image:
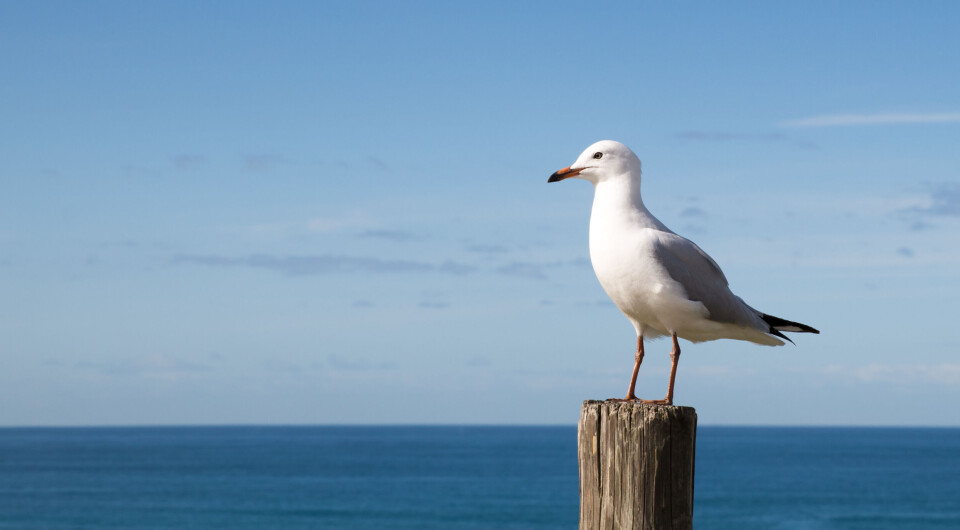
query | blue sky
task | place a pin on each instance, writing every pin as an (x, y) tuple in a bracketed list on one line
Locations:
[(305, 212)]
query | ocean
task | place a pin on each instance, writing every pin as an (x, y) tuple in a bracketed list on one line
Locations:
[(446, 477)]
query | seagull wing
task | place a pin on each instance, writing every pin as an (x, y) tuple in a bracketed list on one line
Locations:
[(703, 281)]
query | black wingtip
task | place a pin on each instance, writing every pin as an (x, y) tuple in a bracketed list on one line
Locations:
[(778, 324), (776, 333)]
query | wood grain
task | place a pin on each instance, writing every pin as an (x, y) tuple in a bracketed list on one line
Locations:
[(636, 466)]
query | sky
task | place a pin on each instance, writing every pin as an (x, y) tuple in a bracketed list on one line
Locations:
[(337, 212)]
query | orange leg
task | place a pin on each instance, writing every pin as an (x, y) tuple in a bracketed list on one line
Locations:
[(674, 357), (637, 359)]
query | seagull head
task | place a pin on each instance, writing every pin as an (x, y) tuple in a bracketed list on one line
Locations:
[(601, 161)]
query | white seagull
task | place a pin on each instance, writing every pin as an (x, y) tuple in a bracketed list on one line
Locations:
[(664, 283)]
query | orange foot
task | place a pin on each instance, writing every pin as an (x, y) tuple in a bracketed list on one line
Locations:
[(656, 401)]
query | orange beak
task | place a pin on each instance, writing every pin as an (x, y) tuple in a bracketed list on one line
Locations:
[(564, 173)]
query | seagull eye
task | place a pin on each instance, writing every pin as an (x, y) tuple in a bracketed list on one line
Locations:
[(598, 154)]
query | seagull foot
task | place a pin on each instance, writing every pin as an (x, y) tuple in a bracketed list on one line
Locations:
[(635, 399), (656, 401)]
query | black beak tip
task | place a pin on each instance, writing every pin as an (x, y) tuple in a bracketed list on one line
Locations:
[(564, 173)]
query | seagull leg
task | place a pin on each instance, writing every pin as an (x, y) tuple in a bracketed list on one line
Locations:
[(637, 359), (674, 357)]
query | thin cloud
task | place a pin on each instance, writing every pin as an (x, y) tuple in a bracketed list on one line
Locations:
[(455, 268), (135, 171), (943, 201), (323, 264), (478, 361), (943, 373), (716, 136), (391, 235), (538, 271), (262, 163), (159, 366), (185, 162), (844, 120), (354, 222), (325, 225), (378, 163), (693, 212), (596, 303), (524, 270), (118, 243), (358, 364), (487, 249), (51, 174), (282, 366)]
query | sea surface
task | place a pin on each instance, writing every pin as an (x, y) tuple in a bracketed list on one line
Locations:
[(458, 478)]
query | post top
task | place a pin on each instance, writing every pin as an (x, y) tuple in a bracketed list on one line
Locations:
[(635, 405)]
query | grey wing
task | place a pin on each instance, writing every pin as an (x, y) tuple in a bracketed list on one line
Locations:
[(703, 281)]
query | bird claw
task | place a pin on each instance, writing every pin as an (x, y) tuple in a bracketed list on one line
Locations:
[(634, 399), (656, 401)]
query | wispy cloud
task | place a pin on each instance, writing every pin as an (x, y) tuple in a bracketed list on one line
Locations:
[(842, 120), (943, 201), (118, 243), (263, 162), (524, 270), (722, 372), (391, 235), (334, 224), (183, 162), (719, 136), (358, 221), (364, 165), (324, 264), (433, 304), (487, 249), (693, 212), (136, 171), (159, 366), (455, 267), (943, 373), (478, 361), (603, 302), (377, 163), (537, 271), (359, 364)]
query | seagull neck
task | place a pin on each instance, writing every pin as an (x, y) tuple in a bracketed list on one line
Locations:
[(620, 199)]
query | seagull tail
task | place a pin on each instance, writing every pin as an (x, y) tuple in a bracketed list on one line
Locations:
[(778, 324)]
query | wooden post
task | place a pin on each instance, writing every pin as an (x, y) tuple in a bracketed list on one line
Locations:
[(636, 466)]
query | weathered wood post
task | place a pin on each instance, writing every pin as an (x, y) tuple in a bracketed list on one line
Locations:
[(636, 466)]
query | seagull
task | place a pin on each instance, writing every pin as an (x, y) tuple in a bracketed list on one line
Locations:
[(664, 283)]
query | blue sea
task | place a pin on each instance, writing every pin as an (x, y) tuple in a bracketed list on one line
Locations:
[(458, 478)]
